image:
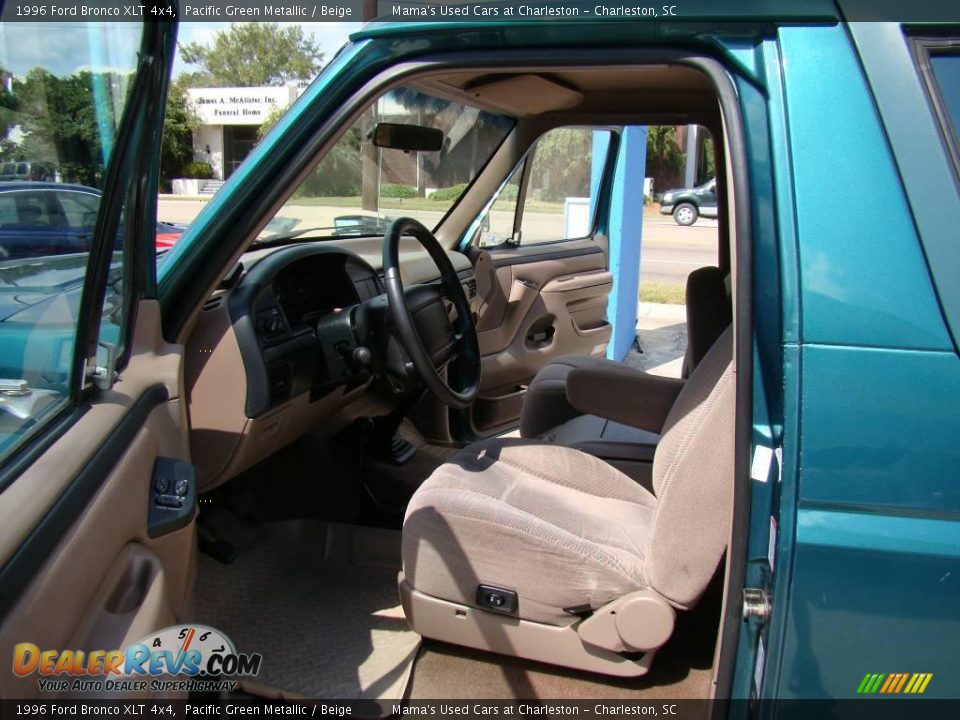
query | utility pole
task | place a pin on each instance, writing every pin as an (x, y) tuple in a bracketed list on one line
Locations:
[(693, 151), (369, 170)]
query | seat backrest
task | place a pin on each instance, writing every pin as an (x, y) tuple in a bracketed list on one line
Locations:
[(709, 313), (693, 480)]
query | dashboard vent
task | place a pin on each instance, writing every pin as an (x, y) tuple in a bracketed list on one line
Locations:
[(278, 377), (213, 303), (471, 288)]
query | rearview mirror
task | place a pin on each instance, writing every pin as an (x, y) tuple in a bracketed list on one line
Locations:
[(409, 138)]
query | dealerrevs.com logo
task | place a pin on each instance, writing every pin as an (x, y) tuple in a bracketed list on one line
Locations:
[(180, 658)]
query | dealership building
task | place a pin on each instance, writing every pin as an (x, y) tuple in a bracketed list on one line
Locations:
[(229, 119)]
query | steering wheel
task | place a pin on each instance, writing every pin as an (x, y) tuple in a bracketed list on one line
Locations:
[(421, 319)]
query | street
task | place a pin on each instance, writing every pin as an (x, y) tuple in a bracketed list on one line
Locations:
[(668, 254)]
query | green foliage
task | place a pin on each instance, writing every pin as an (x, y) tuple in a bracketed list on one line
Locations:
[(338, 174), (397, 190), (252, 54), (269, 120), (179, 122), (7, 105), (59, 122), (663, 151), (198, 170), (450, 194), (562, 164), (709, 159)]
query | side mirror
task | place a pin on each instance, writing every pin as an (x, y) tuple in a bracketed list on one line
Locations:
[(409, 138)]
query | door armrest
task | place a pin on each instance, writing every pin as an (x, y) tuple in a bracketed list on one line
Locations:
[(624, 395)]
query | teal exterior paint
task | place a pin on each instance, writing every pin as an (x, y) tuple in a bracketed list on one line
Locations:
[(871, 594), (863, 278), (856, 375), (874, 574), (918, 147), (625, 233), (863, 413)]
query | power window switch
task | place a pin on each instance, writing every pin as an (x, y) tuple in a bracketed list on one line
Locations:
[(170, 501)]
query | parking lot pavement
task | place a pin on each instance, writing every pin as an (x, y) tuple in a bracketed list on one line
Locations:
[(661, 339), (669, 251)]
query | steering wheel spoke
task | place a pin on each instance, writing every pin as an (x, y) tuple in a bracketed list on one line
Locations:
[(422, 318)]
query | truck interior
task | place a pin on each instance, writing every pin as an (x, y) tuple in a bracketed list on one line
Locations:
[(559, 522), (418, 476)]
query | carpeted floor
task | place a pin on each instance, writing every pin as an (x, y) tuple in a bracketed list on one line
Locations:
[(320, 602)]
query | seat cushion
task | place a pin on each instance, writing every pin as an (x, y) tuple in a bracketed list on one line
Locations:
[(560, 528)]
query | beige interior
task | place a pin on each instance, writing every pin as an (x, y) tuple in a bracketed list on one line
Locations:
[(107, 583), (596, 564)]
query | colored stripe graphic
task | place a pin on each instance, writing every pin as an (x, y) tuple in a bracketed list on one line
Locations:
[(894, 683)]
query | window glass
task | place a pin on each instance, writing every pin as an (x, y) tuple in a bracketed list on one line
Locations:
[(496, 228), (946, 72), (60, 105), (8, 210), (558, 202), (358, 188), (79, 209)]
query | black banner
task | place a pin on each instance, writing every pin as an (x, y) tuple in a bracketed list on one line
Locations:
[(479, 10), (877, 708)]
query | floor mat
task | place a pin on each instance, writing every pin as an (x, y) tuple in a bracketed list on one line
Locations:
[(319, 602)]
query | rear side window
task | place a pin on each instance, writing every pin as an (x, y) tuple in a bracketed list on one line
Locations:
[(946, 73), (939, 63)]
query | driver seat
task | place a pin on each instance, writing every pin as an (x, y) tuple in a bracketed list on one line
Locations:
[(544, 552)]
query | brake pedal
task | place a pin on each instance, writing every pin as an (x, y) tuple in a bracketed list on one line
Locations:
[(223, 551)]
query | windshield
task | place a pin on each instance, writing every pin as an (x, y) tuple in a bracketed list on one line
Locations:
[(358, 188)]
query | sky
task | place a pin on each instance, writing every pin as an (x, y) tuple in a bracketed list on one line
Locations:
[(65, 48)]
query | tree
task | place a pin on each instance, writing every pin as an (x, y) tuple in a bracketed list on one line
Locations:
[(179, 122), (60, 123), (8, 104), (664, 157), (562, 164), (253, 54)]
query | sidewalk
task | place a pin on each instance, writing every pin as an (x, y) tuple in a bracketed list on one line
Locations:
[(662, 337)]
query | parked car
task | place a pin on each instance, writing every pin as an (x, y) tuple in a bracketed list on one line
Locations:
[(688, 204), (27, 170), (41, 218), (778, 523)]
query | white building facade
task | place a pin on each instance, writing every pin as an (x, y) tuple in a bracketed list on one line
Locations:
[(229, 119)]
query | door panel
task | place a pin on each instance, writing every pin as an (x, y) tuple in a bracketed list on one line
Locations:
[(104, 582), (538, 303)]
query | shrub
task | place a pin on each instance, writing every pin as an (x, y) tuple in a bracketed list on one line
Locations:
[(397, 190), (338, 174), (510, 192), (452, 193), (198, 170)]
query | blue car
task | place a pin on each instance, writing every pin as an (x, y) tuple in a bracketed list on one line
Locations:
[(41, 218), (363, 464)]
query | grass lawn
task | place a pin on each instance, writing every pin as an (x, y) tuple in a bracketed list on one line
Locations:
[(662, 293), (536, 206), (412, 204)]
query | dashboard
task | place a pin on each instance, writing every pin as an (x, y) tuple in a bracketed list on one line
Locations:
[(273, 353), (279, 308)]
